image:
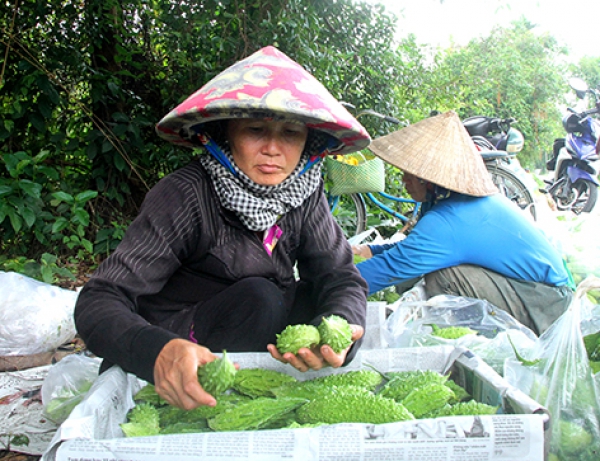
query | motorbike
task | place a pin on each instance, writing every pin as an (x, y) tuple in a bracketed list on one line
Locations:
[(499, 143), (493, 133), (574, 185)]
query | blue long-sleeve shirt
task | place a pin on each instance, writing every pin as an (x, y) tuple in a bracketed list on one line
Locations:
[(490, 232)]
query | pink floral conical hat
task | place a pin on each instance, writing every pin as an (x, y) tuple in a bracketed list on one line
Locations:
[(267, 84)]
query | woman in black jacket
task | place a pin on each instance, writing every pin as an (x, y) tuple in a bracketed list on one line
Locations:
[(229, 250)]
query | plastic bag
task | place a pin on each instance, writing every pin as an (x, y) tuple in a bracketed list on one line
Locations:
[(557, 374), (490, 343), (66, 384), (575, 238), (35, 317)]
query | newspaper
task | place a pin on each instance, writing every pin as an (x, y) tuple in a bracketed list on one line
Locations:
[(456, 439), (21, 410), (92, 431), (377, 313)]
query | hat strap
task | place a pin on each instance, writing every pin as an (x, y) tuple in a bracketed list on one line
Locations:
[(331, 145), (212, 147)]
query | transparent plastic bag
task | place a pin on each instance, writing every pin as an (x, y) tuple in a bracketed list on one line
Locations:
[(66, 384), (35, 317), (410, 325), (557, 374)]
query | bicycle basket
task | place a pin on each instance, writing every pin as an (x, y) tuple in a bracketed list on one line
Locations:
[(365, 173)]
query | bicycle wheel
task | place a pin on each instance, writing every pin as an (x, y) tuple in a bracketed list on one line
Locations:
[(350, 212), (512, 187)]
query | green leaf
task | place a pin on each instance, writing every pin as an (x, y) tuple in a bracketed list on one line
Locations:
[(120, 117), (3, 212), (63, 197), (20, 439), (5, 189), (72, 144), (48, 258), (9, 125), (120, 129), (120, 162), (41, 156), (520, 358), (48, 88), (106, 146), (82, 217), (31, 188), (86, 195), (114, 88), (49, 172), (24, 163), (89, 247), (15, 220), (57, 137), (37, 122), (45, 108), (59, 225), (29, 216), (91, 150), (47, 274)]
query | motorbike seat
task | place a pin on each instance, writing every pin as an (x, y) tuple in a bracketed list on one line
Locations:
[(478, 125)]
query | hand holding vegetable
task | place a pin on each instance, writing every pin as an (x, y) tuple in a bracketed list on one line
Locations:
[(175, 374), (317, 352)]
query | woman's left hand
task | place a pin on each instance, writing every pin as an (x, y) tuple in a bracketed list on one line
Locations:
[(318, 357)]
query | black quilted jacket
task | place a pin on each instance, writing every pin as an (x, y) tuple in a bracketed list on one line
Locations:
[(184, 248)]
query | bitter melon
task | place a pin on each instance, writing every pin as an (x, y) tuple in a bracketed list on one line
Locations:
[(217, 376), (335, 331), (295, 337)]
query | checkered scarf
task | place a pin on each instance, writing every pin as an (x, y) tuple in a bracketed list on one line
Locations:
[(259, 207)]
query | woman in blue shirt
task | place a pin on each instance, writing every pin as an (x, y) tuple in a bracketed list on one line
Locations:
[(471, 240)]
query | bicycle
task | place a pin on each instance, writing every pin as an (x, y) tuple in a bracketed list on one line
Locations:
[(350, 210)]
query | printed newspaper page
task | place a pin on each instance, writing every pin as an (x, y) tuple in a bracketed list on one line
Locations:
[(464, 438), (21, 410)]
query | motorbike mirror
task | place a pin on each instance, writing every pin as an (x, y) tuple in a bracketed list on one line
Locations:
[(579, 86)]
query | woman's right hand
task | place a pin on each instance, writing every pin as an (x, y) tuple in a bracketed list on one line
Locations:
[(175, 374), (317, 357), (362, 250)]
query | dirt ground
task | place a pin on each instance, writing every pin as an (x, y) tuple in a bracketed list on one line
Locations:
[(14, 456)]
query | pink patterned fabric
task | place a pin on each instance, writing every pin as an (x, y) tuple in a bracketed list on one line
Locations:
[(271, 238), (265, 84)]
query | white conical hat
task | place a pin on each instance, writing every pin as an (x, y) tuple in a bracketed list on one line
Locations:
[(439, 150)]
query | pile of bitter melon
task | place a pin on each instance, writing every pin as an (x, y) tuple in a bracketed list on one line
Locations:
[(256, 398)]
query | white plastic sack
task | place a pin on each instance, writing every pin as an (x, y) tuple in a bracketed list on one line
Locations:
[(35, 317)]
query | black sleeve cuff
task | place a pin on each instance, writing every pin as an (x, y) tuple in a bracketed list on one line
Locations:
[(145, 349)]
